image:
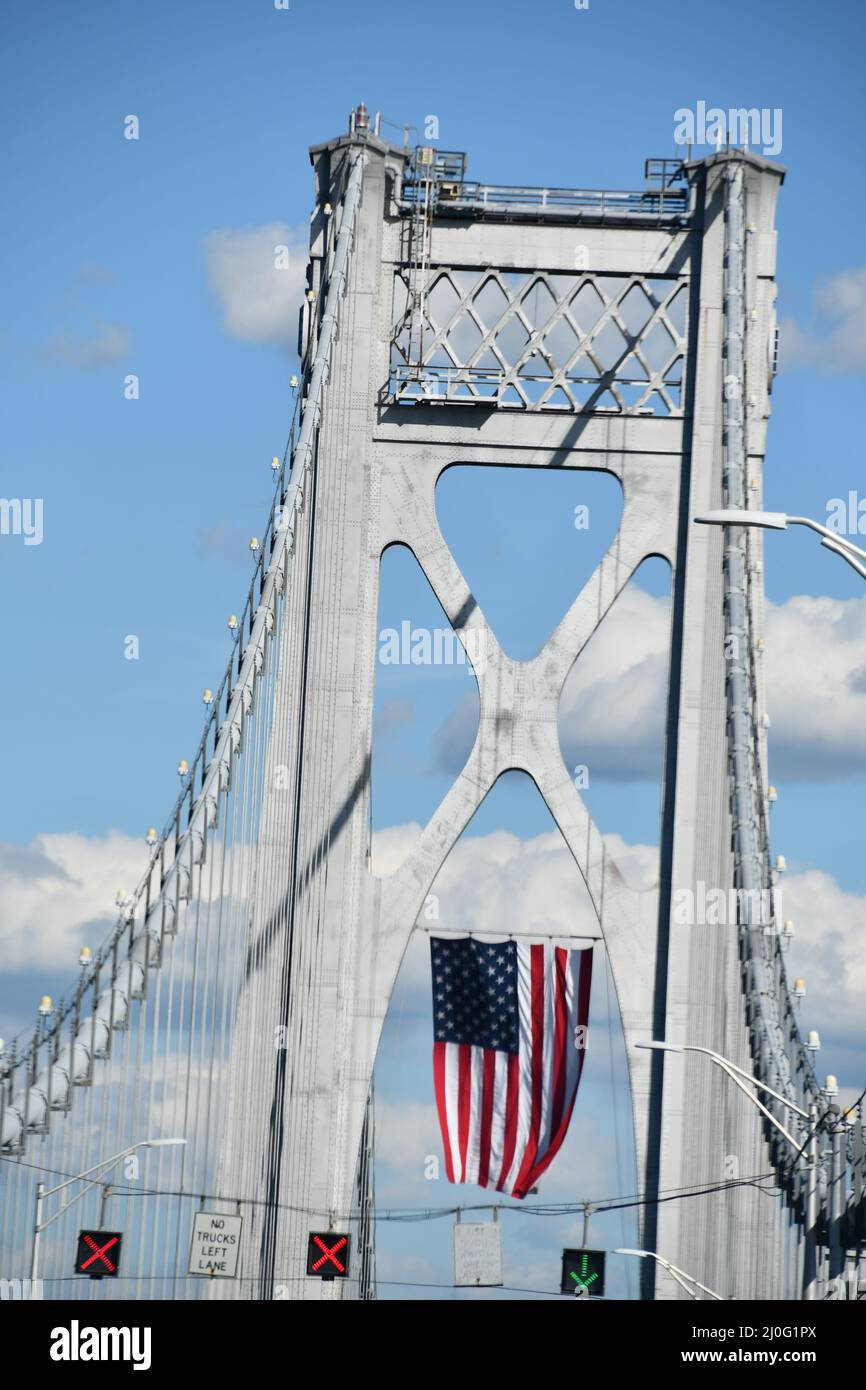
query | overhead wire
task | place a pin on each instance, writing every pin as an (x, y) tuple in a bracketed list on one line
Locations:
[(413, 1214)]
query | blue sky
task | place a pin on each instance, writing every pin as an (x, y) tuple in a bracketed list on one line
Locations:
[(112, 266), (152, 499)]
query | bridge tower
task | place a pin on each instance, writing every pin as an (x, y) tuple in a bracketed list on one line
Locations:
[(450, 322), (233, 1014)]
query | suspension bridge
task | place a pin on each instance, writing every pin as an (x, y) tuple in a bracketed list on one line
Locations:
[(230, 1021)]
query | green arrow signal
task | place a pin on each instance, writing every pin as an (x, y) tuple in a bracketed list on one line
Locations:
[(581, 1278)]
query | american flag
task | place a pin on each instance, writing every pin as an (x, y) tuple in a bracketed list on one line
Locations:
[(507, 1056)]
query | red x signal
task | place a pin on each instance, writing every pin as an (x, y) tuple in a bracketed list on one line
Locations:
[(99, 1252), (330, 1254), (322, 1250)]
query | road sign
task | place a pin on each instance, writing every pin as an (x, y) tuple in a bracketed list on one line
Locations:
[(583, 1273), (477, 1254), (98, 1254), (216, 1244), (328, 1255)]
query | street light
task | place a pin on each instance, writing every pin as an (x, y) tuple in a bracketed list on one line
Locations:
[(39, 1225), (739, 1077), (780, 521), (678, 1274)]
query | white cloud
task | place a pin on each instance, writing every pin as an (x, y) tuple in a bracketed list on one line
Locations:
[(638, 864), (391, 845), (259, 301), (58, 893), (405, 1133), (500, 883), (815, 656), (108, 345), (612, 710), (492, 883), (827, 952), (836, 341)]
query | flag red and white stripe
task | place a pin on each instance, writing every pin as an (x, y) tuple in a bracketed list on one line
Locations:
[(504, 1115)]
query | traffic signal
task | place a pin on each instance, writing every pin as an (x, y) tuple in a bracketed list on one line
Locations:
[(583, 1273), (98, 1254), (328, 1255)]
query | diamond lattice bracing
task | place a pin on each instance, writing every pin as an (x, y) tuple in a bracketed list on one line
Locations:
[(537, 340)]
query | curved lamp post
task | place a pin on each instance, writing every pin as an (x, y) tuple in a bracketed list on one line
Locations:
[(740, 1078), (107, 1163), (680, 1275), (780, 521)]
